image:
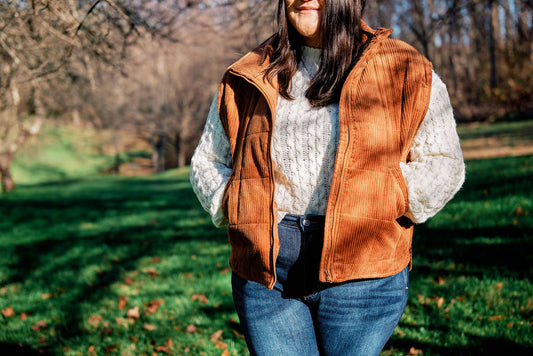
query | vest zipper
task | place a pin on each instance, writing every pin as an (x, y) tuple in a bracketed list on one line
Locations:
[(327, 272), (363, 53)]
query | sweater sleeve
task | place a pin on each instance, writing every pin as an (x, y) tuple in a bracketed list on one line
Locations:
[(211, 166), (436, 169)]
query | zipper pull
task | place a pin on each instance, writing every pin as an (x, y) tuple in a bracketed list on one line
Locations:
[(328, 276)]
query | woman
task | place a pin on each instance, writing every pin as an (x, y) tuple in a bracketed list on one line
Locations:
[(321, 150)]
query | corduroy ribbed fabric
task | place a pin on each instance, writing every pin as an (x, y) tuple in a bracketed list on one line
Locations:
[(383, 102)]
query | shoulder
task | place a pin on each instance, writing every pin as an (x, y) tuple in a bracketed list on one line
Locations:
[(403, 50), (256, 59)]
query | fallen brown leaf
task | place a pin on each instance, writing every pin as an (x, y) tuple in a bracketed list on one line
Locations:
[(40, 325), (225, 353), (121, 302), (155, 260), (91, 349), (495, 318), (95, 320), (126, 322), (23, 316), (190, 329), (440, 301), (441, 281), (413, 351), (149, 327), (151, 272), (200, 297), (225, 270), (169, 343), (238, 334), (216, 336), (46, 295), (221, 345), (129, 281), (3, 290), (8, 312), (110, 348), (519, 211), (153, 306), (133, 313), (499, 286), (163, 349)]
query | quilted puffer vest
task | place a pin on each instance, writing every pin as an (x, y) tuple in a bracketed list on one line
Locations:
[(383, 102)]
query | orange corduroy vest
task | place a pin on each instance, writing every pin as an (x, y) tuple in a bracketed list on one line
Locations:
[(382, 105)]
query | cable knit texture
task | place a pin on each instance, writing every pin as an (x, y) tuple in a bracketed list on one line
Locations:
[(303, 151), (211, 166), (436, 169), (304, 144)]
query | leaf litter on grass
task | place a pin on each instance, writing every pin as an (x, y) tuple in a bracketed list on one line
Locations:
[(474, 260)]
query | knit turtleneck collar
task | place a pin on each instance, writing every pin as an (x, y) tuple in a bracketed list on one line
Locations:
[(310, 60)]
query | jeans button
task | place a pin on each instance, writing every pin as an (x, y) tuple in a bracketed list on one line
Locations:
[(306, 222)]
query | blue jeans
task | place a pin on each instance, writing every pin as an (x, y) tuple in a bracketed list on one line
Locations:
[(302, 316)]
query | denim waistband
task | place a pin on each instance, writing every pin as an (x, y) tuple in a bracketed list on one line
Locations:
[(304, 222)]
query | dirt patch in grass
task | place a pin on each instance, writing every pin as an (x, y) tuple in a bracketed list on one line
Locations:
[(496, 140), (492, 148), (138, 167)]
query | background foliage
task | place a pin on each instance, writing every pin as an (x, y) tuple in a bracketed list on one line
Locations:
[(150, 68)]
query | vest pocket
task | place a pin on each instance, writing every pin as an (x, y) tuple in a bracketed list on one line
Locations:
[(401, 190), (373, 194)]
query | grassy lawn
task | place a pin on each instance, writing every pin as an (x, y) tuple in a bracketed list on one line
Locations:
[(100, 265)]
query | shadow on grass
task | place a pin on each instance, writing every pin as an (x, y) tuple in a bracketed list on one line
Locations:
[(505, 251), (8, 349), (54, 233), (77, 239), (479, 346)]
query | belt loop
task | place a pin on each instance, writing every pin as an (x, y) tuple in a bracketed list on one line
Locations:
[(304, 222)]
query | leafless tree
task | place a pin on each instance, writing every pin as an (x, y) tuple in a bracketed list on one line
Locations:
[(39, 39)]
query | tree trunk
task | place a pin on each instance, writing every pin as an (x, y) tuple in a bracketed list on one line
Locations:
[(117, 162), (158, 153), (493, 10), (180, 152), (7, 181)]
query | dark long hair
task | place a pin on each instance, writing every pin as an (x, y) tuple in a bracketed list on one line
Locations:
[(341, 42)]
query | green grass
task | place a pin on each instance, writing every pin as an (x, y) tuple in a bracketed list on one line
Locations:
[(59, 153), (515, 129), (74, 246), (70, 249)]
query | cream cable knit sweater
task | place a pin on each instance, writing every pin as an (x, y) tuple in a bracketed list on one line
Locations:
[(304, 146)]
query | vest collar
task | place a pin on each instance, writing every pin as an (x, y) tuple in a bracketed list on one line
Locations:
[(251, 67)]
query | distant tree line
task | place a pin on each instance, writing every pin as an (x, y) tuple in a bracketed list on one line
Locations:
[(150, 67), (483, 49)]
